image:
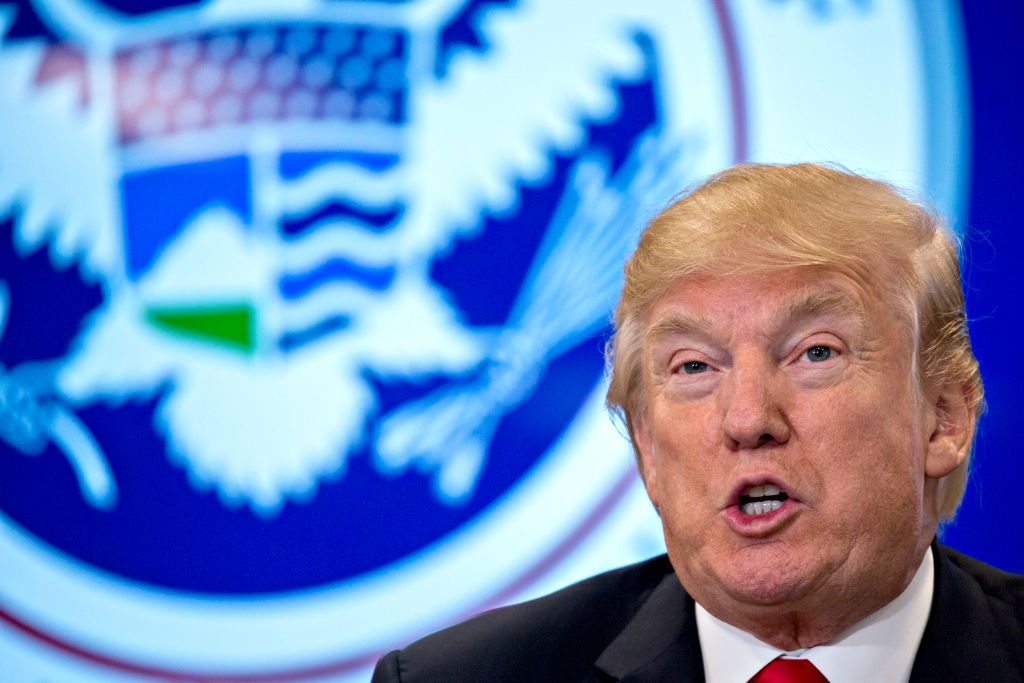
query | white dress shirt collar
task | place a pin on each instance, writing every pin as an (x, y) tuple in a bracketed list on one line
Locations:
[(880, 647)]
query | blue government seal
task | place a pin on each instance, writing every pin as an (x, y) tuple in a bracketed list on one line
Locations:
[(301, 309)]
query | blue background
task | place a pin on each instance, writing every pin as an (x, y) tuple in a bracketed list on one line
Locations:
[(989, 525)]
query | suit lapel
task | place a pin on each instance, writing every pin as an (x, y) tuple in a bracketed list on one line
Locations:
[(660, 643)]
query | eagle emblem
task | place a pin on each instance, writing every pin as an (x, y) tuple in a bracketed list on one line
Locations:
[(262, 203)]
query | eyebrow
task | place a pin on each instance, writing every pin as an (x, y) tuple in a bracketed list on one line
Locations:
[(678, 324), (832, 301), (826, 301)]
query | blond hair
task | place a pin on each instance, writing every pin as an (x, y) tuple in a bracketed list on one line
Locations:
[(758, 217)]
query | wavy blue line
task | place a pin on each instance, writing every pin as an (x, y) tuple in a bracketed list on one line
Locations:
[(374, 220), (297, 164), (298, 286)]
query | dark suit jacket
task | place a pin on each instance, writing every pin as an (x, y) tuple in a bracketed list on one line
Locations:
[(638, 624)]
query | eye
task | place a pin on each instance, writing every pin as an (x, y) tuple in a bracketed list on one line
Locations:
[(818, 354), (693, 367)]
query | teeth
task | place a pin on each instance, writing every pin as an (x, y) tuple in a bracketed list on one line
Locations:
[(762, 491), (761, 507)]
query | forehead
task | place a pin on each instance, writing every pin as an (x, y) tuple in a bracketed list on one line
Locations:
[(771, 298)]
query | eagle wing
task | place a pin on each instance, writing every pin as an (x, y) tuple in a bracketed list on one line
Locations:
[(497, 119), (56, 168)]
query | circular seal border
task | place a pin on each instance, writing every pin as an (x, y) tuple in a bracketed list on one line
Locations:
[(625, 481)]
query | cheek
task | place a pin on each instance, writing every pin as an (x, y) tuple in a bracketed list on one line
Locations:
[(871, 464), (686, 471), (686, 439), (695, 426)]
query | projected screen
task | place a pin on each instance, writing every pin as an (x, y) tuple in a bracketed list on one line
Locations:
[(303, 305)]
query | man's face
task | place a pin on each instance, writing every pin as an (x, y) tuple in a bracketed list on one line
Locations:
[(785, 442)]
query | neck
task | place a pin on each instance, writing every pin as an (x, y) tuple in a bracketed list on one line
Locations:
[(803, 629)]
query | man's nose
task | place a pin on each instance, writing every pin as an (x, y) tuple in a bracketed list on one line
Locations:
[(752, 415)]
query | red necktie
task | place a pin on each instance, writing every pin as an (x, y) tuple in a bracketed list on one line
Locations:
[(789, 671)]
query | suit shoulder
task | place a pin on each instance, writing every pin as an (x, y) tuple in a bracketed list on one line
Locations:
[(556, 636), (995, 583)]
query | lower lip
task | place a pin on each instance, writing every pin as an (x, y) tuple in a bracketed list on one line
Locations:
[(759, 526)]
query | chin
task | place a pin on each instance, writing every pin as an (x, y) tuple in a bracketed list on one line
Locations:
[(767, 588), (767, 579)]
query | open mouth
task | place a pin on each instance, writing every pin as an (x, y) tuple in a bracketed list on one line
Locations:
[(760, 500)]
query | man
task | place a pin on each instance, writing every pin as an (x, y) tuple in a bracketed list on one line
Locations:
[(792, 362)]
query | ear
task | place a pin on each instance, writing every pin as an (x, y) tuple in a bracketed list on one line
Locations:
[(643, 442), (950, 439)]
